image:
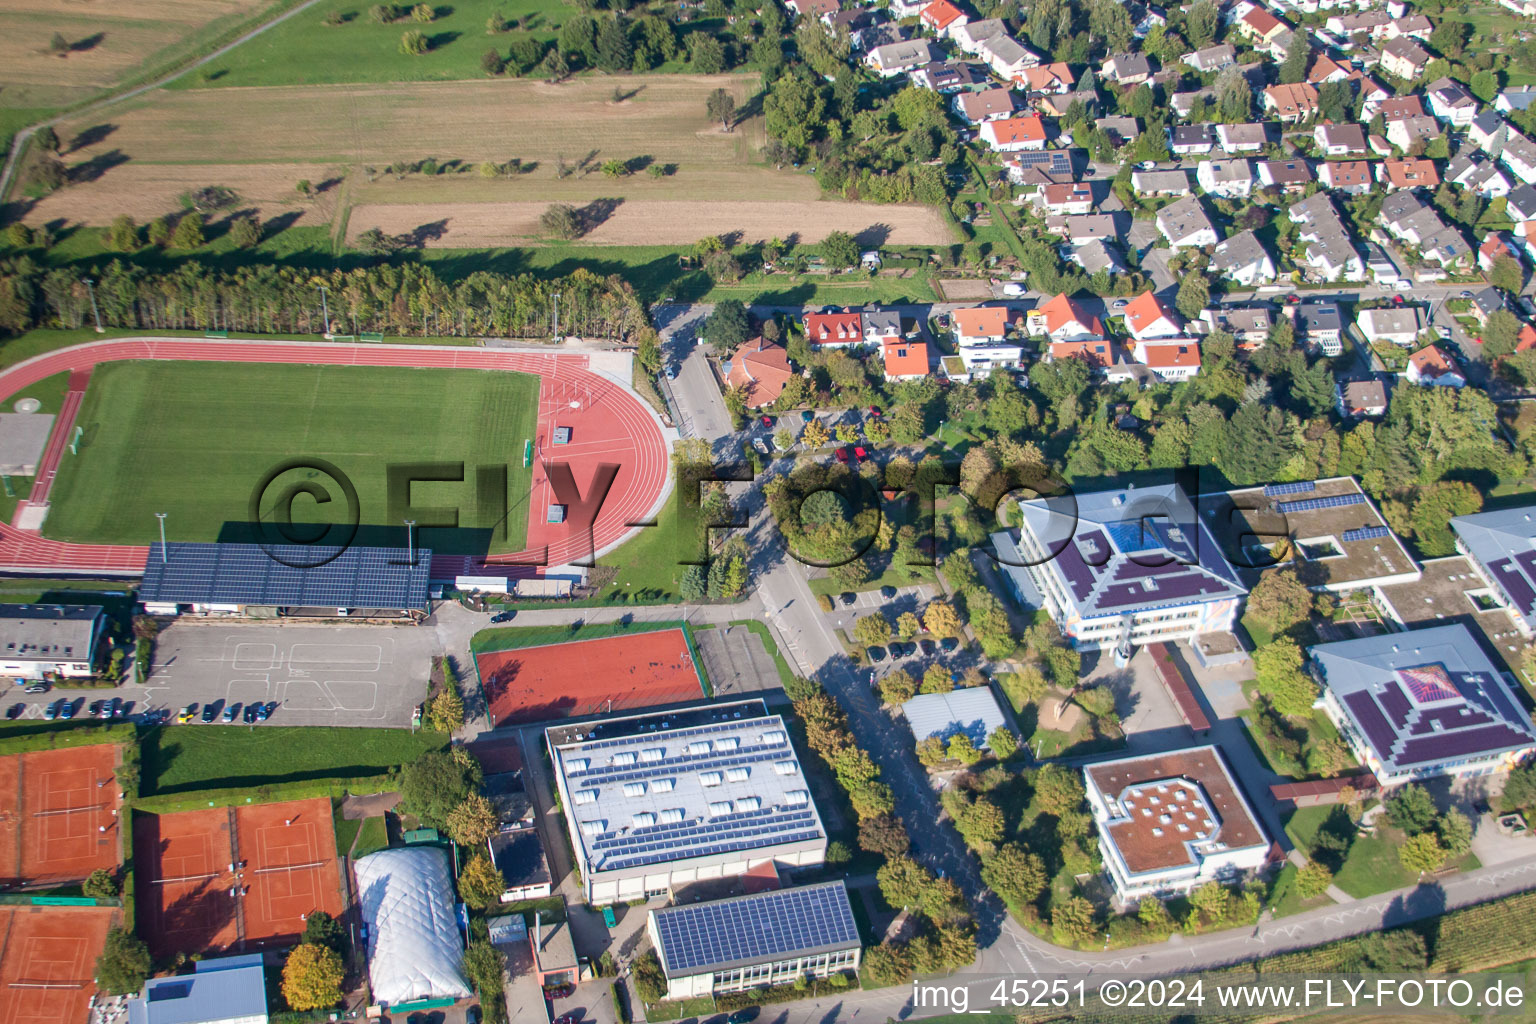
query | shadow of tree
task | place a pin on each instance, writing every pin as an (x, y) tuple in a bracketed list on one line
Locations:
[(91, 136)]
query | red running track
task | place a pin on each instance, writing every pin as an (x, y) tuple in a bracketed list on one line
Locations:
[(610, 425), (58, 440)]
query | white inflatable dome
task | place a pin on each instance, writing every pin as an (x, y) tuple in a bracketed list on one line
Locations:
[(414, 946)]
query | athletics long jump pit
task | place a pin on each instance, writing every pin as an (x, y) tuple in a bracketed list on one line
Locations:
[(58, 814), (235, 878), (48, 963), (584, 677)]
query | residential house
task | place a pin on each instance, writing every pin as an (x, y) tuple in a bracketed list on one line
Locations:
[(1520, 205), (1431, 367), (1372, 95), (1320, 325), (1339, 139), (1451, 102), (1191, 139), (1486, 302), (1415, 26), (1147, 318), (1066, 198), (1055, 78), (987, 105), (950, 76), (1120, 129), (1286, 175), (1183, 103), (981, 339), (1260, 27), (907, 8), (1170, 361), (899, 58), (1039, 167), (1144, 18), (1185, 224), (1086, 566), (880, 325), (1519, 155), (761, 369), (1399, 107), (1349, 176), (1328, 250), (905, 360), (1096, 352), (1486, 132), (1160, 183), (1080, 229), (1013, 134), (1408, 218), (1095, 255), (941, 17), (1515, 98), (1472, 171), (1127, 69), (969, 36), (1291, 103), (1237, 139), (1242, 258), (1499, 546), (1358, 399), (1404, 58), (1230, 179), (1404, 132), (1368, 23), (1399, 325), (812, 8), (1380, 265), (1325, 69), (1062, 320), (1212, 58), (1248, 325), (1007, 58), (834, 330), (1413, 172), (1497, 244)]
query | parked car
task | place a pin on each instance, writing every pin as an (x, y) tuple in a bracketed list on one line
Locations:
[(1013, 290), (37, 687), (250, 714), (52, 710), (105, 711), (842, 455), (67, 708), (860, 455), (15, 710), (806, 415), (760, 445), (232, 712), (506, 616), (264, 711), (1119, 304), (671, 372), (887, 592), (1465, 294), (209, 714), (745, 1015), (927, 646), (949, 643), (848, 597), (767, 421), (875, 413), (187, 714), (876, 653)]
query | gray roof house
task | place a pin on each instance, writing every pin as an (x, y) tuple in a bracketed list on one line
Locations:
[(1185, 224), (1212, 58), (1243, 258)]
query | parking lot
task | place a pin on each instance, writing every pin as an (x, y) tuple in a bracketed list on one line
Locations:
[(318, 675), (736, 662)]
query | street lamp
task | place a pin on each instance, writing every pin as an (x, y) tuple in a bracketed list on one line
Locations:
[(95, 313), (325, 310), (410, 551), (161, 516), (557, 316)]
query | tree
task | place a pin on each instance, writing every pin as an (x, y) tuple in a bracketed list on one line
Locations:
[(244, 232), (480, 884), (100, 885), (1279, 601), (47, 139), (728, 327), (1200, 23), (1004, 742), (1098, 701), (124, 964), (883, 834), (1015, 874), (1450, 37), (472, 822), (1058, 789), (839, 250), (58, 44), (908, 626), (721, 106), (123, 235), (492, 63), (1506, 275), (963, 749), (312, 978), (942, 620), (1194, 295), (1279, 677), (815, 434), (1412, 809), (496, 24), (980, 823), (446, 712), (1212, 900), (937, 679), (1437, 504), (1500, 333), (413, 43), (188, 233), (423, 14), (1234, 95), (560, 220), (1024, 686), (898, 687), (322, 929), (1072, 922), (708, 54), (1454, 830), (1422, 853), (694, 584), (872, 630), (1313, 880), (433, 785), (1294, 68)]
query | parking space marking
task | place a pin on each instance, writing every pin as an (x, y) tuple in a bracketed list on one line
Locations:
[(335, 658), (353, 695), (254, 657)]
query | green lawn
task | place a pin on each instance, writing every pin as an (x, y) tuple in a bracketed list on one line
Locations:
[(372, 837), (1372, 865), (346, 829), (511, 638), (305, 51), (196, 440), (183, 758)]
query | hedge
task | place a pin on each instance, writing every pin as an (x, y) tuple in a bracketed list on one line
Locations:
[(25, 737), (302, 790)]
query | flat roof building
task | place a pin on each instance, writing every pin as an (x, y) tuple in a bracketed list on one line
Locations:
[(1171, 822), (972, 710), (519, 856), (662, 799), (1121, 568), (754, 941), (226, 990), (1423, 703), (1502, 547), (39, 640)]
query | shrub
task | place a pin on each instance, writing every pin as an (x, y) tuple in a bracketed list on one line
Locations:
[(413, 43)]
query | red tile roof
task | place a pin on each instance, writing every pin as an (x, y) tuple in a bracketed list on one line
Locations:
[(762, 369), (1095, 353), (981, 321), (1143, 311), (940, 14), (833, 327), (1028, 128), (1411, 172), (906, 358), (1060, 311), (1168, 356), (1431, 362)]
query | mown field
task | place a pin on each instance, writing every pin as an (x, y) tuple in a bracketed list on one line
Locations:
[(260, 142), (192, 757), (195, 441)]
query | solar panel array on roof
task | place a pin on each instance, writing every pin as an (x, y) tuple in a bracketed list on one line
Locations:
[(286, 576), (761, 928), (1314, 504), (1366, 533), (1298, 487)]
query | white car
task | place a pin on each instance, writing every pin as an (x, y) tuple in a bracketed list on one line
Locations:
[(1013, 289)]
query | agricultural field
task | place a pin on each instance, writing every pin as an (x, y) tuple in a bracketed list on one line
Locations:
[(152, 152), (194, 440), (107, 44)]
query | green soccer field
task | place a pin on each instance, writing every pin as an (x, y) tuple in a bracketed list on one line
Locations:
[(196, 440)]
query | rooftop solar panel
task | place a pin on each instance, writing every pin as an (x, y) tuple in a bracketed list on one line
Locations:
[(761, 928), (286, 576), (1366, 533), (1375, 725), (1315, 504), (1298, 487)]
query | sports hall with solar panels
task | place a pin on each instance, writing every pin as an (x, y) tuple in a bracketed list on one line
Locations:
[(286, 580), (661, 800), (1338, 539), (1422, 703), (769, 938)]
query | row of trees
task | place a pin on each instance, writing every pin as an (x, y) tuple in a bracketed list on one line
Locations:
[(406, 299)]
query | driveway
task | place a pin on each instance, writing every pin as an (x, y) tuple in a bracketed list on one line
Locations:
[(694, 393)]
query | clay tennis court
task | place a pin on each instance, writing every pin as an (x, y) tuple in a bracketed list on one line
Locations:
[(187, 898), (48, 963), (638, 670), (58, 818)]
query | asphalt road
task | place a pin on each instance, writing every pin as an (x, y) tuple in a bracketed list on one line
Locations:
[(694, 395)]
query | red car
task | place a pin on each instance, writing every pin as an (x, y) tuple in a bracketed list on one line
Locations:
[(842, 455), (860, 454), (1397, 300), (768, 422), (876, 413)]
